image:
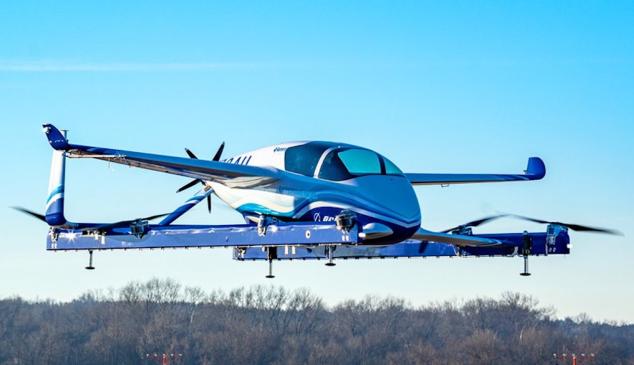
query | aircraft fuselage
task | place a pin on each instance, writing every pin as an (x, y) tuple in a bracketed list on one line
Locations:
[(329, 178)]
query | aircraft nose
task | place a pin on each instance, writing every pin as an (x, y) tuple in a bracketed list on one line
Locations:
[(394, 195)]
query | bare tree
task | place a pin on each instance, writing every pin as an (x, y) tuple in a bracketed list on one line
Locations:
[(273, 325)]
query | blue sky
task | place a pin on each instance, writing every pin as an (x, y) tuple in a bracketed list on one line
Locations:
[(435, 86)]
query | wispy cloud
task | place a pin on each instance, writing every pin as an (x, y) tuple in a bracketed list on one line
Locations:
[(119, 67)]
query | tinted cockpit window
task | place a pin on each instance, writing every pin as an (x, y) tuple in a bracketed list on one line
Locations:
[(391, 168), (333, 168), (360, 162), (345, 164), (303, 159)]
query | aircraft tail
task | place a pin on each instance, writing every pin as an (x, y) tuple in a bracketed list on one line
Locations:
[(55, 202)]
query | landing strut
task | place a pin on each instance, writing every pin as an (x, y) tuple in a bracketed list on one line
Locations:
[(90, 267)]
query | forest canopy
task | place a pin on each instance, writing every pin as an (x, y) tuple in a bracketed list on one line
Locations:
[(273, 325)]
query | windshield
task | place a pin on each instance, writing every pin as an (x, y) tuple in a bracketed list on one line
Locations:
[(303, 159), (391, 168), (360, 162), (343, 164)]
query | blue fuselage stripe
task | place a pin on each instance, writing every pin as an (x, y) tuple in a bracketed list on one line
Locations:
[(57, 190)]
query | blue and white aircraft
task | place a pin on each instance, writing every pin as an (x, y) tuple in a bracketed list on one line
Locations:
[(300, 200)]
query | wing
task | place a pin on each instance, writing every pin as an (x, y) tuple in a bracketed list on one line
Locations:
[(230, 174), (454, 239), (535, 170)]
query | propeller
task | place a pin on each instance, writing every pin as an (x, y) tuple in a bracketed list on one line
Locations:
[(31, 213), (572, 226), (189, 185), (475, 223), (196, 181), (100, 227), (125, 223)]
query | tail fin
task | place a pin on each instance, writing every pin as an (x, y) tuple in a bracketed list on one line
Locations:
[(55, 137), (55, 201), (536, 168)]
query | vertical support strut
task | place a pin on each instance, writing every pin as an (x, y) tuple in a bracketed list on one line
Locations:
[(271, 254), (270, 275), (525, 273), (329, 251), (526, 251), (90, 267)]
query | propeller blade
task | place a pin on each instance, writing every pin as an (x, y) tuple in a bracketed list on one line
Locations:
[(193, 182), (209, 203), (476, 223), (191, 154), (31, 213), (189, 185), (118, 224), (219, 152), (152, 217), (572, 226)]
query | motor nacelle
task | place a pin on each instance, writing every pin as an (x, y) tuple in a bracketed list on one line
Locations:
[(345, 220), (139, 228)]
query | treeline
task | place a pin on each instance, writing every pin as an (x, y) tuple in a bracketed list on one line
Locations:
[(270, 325)]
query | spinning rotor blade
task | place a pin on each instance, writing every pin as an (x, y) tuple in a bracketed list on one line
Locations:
[(476, 223), (104, 227), (31, 213), (150, 217), (572, 226)]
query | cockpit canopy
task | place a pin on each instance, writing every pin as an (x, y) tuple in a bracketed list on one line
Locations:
[(336, 162)]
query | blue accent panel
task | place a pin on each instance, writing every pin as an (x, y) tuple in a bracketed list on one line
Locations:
[(183, 236), (55, 213), (260, 209), (55, 137), (542, 244), (59, 189)]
